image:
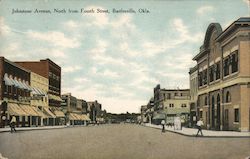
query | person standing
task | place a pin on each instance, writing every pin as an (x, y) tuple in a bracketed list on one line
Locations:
[(199, 125), (163, 125), (13, 124)]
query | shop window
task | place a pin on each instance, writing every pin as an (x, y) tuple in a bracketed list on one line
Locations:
[(234, 62), (218, 70), (228, 97), (236, 115), (226, 67)]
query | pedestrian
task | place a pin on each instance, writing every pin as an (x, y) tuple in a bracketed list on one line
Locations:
[(13, 124), (199, 125), (163, 125)]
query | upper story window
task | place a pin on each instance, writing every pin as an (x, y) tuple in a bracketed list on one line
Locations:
[(217, 70), (234, 62), (228, 97), (168, 95), (171, 105), (226, 67), (200, 78), (205, 77), (211, 73)]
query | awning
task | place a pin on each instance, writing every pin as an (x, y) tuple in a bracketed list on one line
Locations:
[(40, 113), (72, 116), (49, 113), (27, 86), (81, 117), (7, 80), (59, 114), (14, 109), (86, 117), (54, 97), (16, 84), (30, 110)]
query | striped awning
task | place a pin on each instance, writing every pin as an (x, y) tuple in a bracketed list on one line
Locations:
[(40, 112), (54, 97), (30, 110), (59, 114), (49, 113), (15, 109), (7, 80), (80, 117)]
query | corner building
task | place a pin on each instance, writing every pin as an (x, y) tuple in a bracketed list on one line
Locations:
[(223, 65)]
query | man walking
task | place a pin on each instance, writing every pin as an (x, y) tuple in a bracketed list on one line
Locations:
[(12, 124), (199, 125), (163, 125)]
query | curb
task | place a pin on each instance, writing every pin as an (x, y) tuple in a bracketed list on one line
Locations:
[(187, 135), (32, 129)]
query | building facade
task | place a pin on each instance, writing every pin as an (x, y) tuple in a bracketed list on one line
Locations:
[(52, 72), (223, 65), (171, 102), (193, 82), (72, 107), (94, 109), (39, 96), (15, 96)]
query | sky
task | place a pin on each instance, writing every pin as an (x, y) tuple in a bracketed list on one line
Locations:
[(114, 58)]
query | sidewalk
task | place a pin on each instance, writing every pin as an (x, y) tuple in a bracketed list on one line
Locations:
[(33, 128), (207, 133)]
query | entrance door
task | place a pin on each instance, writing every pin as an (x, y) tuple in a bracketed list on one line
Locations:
[(226, 124)]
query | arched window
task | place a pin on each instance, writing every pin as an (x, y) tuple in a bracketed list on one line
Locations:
[(228, 97)]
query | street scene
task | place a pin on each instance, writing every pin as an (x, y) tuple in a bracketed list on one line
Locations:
[(120, 140), (130, 79)]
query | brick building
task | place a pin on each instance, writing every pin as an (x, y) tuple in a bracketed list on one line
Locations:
[(223, 65), (52, 72)]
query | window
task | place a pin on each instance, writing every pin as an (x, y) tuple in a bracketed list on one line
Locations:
[(211, 73), (236, 115), (184, 105), (234, 62), (205, 77), (217, 70), (205, 100), (228, 97), (200, 79), (226, 67), (168, 96), (171, 105)]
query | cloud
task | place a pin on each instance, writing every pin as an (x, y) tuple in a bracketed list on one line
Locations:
[(56, 38), (184, 33), (204, 10), (71, 25), (70, 69), (4, 28)]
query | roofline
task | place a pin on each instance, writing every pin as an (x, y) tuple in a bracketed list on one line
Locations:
[(16, 65)]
